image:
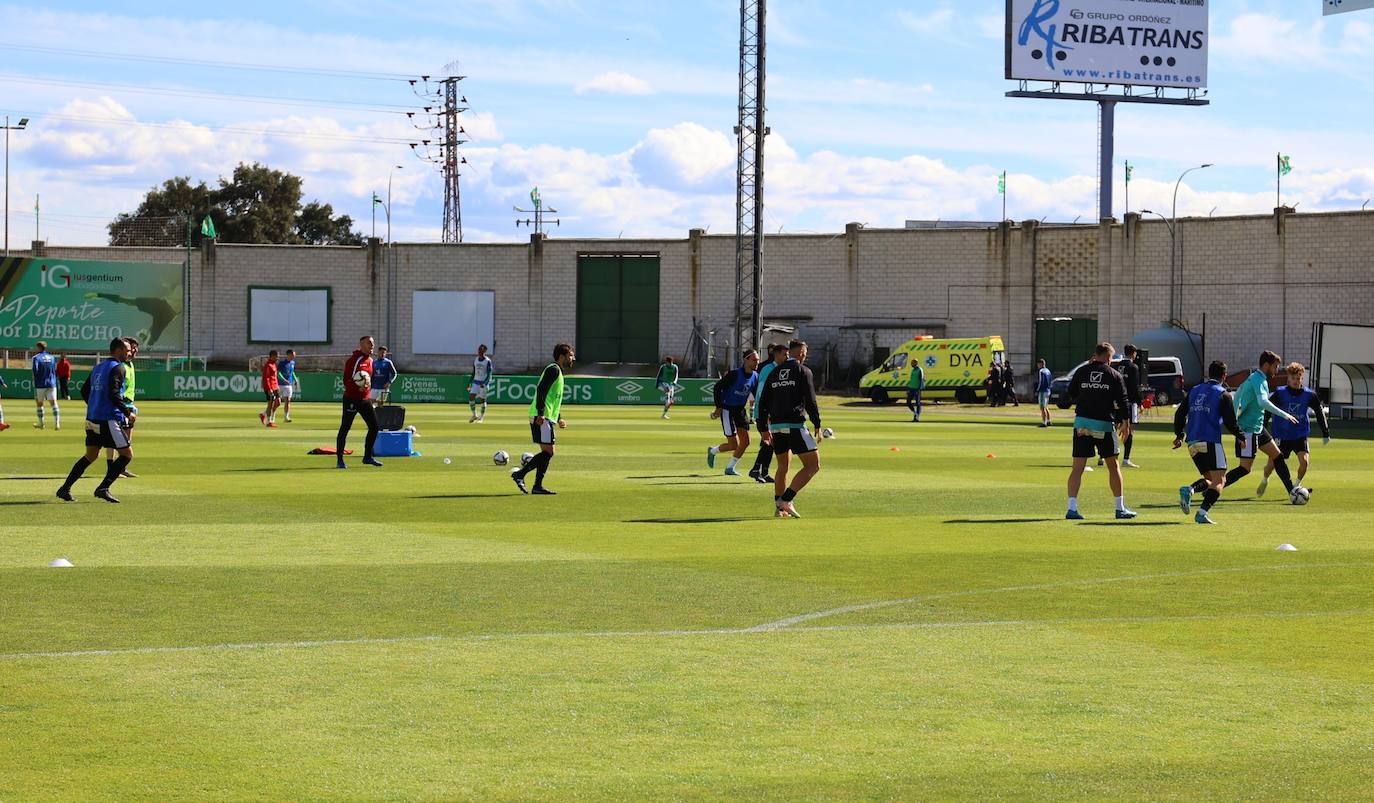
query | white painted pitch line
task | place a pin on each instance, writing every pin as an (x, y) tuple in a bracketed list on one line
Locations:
[(789, 624), (791, 621)]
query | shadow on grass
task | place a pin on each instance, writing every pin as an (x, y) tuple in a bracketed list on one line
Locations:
[(1116, 523), (996, 521), (712, 520), (54, 477), (267, 470), (702, 482), (1196, 501), (667, 477), (23, 502)]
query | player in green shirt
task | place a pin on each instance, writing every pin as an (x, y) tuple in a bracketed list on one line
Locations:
[(666, 382), (915, 383), (545, 414)]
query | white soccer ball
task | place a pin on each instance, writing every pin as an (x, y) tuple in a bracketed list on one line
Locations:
[(1300, 495), (362, 379), (448, 460), (526, 457), (827, 433), (501, 458)]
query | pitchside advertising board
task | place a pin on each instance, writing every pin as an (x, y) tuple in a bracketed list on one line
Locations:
[(1123, 42), (408, 389), (81, 305)]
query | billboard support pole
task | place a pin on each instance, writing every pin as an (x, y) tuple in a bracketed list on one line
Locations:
[(1107, 153)]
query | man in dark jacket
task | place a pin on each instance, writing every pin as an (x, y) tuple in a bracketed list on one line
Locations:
[(788, 401)]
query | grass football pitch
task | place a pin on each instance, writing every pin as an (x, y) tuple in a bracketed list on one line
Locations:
[(253, 624)]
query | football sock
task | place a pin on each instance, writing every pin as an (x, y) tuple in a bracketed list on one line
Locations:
[(715, 450), (1281, 468), (112, 473), (789, 495), (765, 456), (1209, 498), (1234, 475), (1073, 503), (544, 459), (1121, 503), (484, 410), (57, 415), (734, 461), (40, 416), (1201, 485), (1129, 442), (78, 468)]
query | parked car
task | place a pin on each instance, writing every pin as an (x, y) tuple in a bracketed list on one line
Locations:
[(1165, 382)]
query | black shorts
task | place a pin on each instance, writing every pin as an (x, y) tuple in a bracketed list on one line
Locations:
[(543, 434), (1249, 444), (1291, 446), (272, 395), (1086, 444), (732, 420), (106, 435), (1208, 457), (796, 441)]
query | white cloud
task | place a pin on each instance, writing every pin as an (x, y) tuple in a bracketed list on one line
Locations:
[(932, 22), (616, 83)]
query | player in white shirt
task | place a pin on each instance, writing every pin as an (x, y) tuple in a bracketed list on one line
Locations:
[(482, 374)]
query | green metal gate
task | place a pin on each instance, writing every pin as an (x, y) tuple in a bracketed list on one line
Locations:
[(617, 308), (1064, 342)]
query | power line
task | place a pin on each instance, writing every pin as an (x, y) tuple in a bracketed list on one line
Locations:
[(267, 99), (231, 65), (264, 132)]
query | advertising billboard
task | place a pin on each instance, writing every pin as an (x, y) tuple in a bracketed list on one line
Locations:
[(80, 305), (1122, 42)]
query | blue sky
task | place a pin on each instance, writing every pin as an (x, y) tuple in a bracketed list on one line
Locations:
[(621, 112)]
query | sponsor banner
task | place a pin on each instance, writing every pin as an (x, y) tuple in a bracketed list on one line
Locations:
[(407, 389), (1123, 42), (81, 305)]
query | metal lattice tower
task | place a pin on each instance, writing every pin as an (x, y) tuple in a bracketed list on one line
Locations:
[(750, 133), (443, 121), (453, 207)]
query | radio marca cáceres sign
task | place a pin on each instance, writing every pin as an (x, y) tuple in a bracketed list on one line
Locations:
[(408, 389), (1123, 42), (81, 305)]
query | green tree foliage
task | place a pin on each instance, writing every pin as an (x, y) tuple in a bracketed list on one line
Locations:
[(256, 205)]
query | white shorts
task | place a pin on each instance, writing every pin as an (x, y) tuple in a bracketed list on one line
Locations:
[(377, 393), (286, 391), (478, 391), (45, 394)]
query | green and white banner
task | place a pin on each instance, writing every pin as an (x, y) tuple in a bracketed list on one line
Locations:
[(80, 305), (408, 389)]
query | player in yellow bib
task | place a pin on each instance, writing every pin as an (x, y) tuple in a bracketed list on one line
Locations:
[(545, 416)]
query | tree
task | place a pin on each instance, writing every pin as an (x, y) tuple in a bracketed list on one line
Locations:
[(255, 205)]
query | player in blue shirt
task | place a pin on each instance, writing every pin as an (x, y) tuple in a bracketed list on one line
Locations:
[(108, 419), (1199, 422), (1292, 438), (383, 374), (733, 393), (287, 383), (1043, 382), (778, 354), (45, 385)]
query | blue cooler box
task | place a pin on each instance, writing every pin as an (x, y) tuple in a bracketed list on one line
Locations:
[(396, 444)]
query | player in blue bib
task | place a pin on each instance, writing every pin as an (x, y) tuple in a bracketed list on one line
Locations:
[(734, 392), (1292, 437), (45, 385), (1199, 422), (108, 418)]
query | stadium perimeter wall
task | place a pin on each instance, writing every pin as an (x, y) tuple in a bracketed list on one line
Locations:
[(1261, 280)]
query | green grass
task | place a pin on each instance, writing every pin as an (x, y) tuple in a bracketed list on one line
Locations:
[(253, 624)]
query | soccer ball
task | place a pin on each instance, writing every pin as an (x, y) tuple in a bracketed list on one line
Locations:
[(1300, 495), (827, 433), (501, 458), (362, 379), (526, 458)]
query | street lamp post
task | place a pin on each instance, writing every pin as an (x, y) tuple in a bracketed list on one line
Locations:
[(23, 121), (390, 256), (1174, 291)]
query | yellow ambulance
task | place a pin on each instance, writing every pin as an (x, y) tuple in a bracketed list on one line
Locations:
[(955, 368)]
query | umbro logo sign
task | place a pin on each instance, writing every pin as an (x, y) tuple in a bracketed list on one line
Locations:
[(628, 388)]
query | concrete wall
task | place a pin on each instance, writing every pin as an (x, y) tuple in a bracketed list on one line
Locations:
[(1260, 280)]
